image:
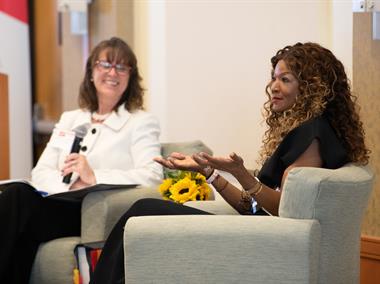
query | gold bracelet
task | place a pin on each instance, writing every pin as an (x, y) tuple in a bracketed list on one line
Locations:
[(253, 191), (258, 191)]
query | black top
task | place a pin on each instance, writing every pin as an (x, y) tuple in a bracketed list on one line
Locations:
[(296, 142)]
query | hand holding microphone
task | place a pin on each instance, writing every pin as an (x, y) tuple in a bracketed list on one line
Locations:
[(78, 163), (72, 161)]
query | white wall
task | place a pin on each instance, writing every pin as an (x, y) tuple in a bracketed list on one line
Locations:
[(207, 62), (342, 33), (15, 62)]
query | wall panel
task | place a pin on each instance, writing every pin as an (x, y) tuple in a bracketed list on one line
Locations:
[(47, 59), (4, 127), (366, 82)]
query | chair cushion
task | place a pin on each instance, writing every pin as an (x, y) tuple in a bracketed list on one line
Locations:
[(54, 262)]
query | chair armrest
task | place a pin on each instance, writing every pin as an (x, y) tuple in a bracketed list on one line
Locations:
[(102, 209), (218, 249)]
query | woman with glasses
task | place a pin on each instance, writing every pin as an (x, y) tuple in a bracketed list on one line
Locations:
[(119, 144), (312, 121)]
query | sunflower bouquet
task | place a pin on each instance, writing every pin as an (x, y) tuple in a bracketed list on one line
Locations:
[(182, 186)]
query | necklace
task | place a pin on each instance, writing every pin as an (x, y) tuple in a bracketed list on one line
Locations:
[(99, 117)]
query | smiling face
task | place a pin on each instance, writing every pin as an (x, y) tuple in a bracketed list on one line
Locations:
[(284, 88), (110, 81)]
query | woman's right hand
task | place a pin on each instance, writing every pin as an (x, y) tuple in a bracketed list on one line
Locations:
[(179, 161), (78, 163)]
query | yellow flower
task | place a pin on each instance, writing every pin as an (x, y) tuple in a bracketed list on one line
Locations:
[(183, 190), (164, 188), (196, 195), (200, 177), (182, 186), (204, 192), (166, 183)]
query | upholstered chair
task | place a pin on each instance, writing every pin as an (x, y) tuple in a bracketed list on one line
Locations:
[(55, 260), (315, 238)]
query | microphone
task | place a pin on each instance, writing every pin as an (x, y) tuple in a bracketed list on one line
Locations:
[(80, 133)]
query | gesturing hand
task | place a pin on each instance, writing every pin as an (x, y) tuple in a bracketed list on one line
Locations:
[(232, 164), (179, 161), (78, 163)]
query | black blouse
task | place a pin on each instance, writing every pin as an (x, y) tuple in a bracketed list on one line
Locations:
[(296, 142)]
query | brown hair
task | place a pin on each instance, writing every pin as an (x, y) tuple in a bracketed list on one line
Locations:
[(119, 51), (324, 89)]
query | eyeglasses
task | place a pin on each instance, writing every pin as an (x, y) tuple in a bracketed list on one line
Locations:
[(106, 66)]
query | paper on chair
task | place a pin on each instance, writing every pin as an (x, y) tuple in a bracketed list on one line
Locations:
[(78, 194)]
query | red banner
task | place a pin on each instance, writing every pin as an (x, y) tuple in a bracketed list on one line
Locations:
[(15, 63), (15, 8)]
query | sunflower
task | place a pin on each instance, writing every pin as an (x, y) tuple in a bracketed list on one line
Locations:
[(200, 179), (164, 188), (204, 191), (183, 190), (182, 186)]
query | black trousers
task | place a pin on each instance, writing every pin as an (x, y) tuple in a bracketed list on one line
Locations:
[(110, 267), (26, 220)]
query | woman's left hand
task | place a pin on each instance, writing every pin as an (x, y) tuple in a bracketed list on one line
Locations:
[(78, 163), (232, 164), (179, 161)]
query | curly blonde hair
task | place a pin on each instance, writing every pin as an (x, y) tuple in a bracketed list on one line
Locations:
[(323, 89)]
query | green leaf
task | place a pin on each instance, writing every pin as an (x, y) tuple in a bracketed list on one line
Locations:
[(173, 174)]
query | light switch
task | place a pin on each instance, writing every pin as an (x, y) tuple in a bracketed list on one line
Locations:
[(376, 25), (359, 5), (365, 5)]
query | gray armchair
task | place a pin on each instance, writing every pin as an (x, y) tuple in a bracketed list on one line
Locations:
[(314, 240), (55, 260)]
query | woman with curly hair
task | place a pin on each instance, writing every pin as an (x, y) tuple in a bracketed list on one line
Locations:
[(312, 121)]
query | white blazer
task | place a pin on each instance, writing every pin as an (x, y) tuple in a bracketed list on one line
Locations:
[(120, 150)]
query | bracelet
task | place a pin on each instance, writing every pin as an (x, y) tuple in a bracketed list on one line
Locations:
[(258, 191), (212, 177), (245, 203), (254, 191)]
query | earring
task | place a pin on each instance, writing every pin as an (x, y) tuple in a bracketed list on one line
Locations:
[(92, 79)]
